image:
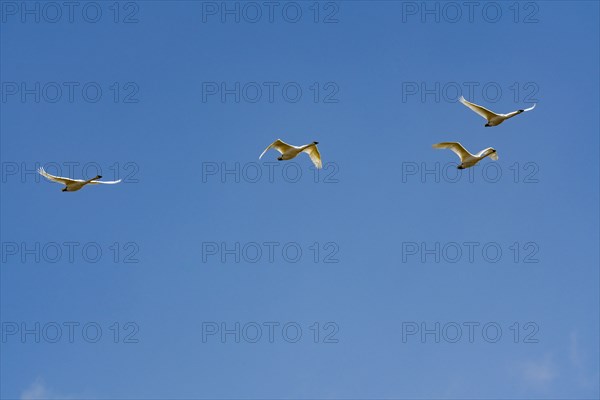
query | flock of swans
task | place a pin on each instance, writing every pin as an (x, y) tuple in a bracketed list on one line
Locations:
[(289, 151), (467, 160)]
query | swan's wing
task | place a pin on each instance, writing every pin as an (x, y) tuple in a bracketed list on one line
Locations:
[(456, 147), (278, 145), (314, 155), (64, 181), (484, 112), (104, 182)]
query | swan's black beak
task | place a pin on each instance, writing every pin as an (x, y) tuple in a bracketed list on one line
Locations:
[(64, 190), (315, 142), (487, 125)]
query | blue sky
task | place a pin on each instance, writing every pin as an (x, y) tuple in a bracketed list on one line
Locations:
[(387, 213)]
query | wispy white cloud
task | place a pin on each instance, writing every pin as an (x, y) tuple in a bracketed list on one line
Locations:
[(39, 391), (585, 378), (540, 372), (573, 368), (574, 352)]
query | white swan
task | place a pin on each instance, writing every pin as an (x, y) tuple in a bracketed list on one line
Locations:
[(288, 151), (467, 159), (492, 118), (73, 185)]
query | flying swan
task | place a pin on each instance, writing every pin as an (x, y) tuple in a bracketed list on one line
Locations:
[(467, 159), (73, 185), (492, 118), (288, 151)]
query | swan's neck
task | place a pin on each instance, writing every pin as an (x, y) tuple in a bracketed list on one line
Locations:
[(93, 179), (486, 153), (512, 114)]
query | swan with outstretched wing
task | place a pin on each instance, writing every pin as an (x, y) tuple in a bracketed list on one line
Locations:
[(289, 151), (492, 118), (73, 185), (467, 159)]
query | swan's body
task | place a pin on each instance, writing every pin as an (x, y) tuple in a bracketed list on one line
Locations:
[(492, 118), (467, 159), (288, 151), (73, 185)]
